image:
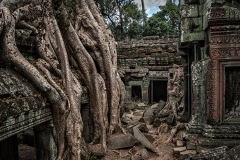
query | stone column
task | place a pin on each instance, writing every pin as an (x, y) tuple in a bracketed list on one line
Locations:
[(46, 148)]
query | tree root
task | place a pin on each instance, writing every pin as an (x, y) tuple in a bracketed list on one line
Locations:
[(91, 45), (175, 129)]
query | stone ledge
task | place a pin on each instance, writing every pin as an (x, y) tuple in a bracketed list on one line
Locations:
[(23, 121)]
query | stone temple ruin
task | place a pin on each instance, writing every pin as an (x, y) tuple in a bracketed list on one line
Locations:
[(209, 42), (146, 65), (204, 62)]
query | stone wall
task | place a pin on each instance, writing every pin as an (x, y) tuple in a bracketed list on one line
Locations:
[(148, 52), (146, 62), (209, 41)]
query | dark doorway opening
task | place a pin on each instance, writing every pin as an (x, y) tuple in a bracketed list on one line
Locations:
[(232, 94), (158, 91), (136, 93)]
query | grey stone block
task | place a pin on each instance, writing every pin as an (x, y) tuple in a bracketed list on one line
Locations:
[(121, 141)]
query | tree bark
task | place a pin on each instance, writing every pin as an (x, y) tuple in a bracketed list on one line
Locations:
[(64, 30)]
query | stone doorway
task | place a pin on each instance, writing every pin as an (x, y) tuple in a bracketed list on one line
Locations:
[(136, 93), (232, 94), (158, 91)]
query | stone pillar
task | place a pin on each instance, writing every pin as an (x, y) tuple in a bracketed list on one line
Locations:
[(128, 93), (145, 90), (45, 145)]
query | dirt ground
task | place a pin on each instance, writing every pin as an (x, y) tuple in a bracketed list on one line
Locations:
[(159, 141), (164, 151), (164, 148)]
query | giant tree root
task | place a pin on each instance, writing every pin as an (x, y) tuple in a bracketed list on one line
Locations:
[(68, 30), (174, 130)]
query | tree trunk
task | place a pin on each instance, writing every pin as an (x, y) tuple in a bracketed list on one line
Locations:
[(143, 12), (68, 30)]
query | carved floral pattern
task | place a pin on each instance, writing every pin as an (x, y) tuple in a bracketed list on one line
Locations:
[(218, 12)]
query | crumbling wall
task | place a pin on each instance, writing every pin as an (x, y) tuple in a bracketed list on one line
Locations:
[(209, 42), (141, 62)]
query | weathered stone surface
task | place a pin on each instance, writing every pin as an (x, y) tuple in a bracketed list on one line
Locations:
[(84, 150), (216, 153), (141, 138), (170, 119), (149, 137), (96, 150), (231, 154), (127, 118), (188, 152), (138, 113), (149, 115), (136, 157), (12, 86), (23, 121), (121, 141), (141, 105), (144, 154), (142, 127), (177, 150), (161, 104), (157, 122), (26, 138), (191, 145), (201, 150), (145, 120), (128, 105), (179, 143)]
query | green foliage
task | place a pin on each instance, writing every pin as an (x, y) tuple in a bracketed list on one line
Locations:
[(93, 157), (164, 22), (70, 6), (123, 17), (7, 101)]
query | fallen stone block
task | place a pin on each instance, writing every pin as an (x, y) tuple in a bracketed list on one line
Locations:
[(188, 152), (129, 106), (138, 113), (232, 154), (157, 122), (201, 150), (179, 143), (212, 154), (143, 127), (121, 141), (126, 118), (177, 150), (141, 105), (149, 137), (136, 157), (141, 138), (144, 154), (191, 145)]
